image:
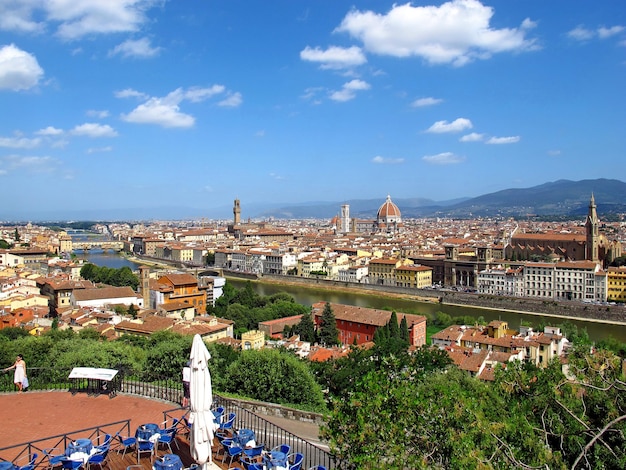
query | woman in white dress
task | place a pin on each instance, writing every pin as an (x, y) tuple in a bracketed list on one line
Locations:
[(20, 372)]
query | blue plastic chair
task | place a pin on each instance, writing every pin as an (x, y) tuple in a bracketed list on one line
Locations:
[(167, 436), (233, 450), (228, 423), (295, 461), (99, 458), (30, 465), (127, 443), (284, 448), (144, 447), (54, 455)]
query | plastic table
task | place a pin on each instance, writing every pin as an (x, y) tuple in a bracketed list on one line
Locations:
[(4, 465), (79, 445), (145, 432), (168, 462)]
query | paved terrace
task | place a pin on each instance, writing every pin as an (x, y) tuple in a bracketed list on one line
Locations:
[(30, 416)]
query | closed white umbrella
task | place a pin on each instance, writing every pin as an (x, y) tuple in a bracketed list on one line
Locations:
[(200, 401)]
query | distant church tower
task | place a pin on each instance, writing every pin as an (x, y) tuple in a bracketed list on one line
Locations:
[(144, 278), (236, 213), (345, 218), (591, 229)]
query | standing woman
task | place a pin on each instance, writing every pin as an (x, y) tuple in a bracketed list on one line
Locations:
[(20, 372)]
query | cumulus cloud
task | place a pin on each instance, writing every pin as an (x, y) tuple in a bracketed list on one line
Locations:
[(19, 142), (17, 16), (429, 101), (455, 32), (472, 137), (387, 161), (87, 17), (445, 158), (554, 153), (580, 34), (349, 89), (49, 131), (166, 112), (503, 140), (458, 125), (334, 57), (140, 48), (92, 129), (19, 70)]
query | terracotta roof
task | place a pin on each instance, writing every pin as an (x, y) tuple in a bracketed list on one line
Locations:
[(365, 316), (180, 279), (103, 293)]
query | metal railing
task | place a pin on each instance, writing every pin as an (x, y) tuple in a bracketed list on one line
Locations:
[(267, 433), (60, 441)]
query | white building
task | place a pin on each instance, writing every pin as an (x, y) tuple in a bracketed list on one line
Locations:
[(501, 281)]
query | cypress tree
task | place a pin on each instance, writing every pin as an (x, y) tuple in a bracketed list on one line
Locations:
[(404, 329), (329, 334), (306, 328)]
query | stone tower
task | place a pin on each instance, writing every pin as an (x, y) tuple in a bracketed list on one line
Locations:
[(236, 213), (345, 218), (144, 282), (591, 230)]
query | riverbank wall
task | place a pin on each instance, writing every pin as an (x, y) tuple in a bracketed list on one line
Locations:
[(565, 309)]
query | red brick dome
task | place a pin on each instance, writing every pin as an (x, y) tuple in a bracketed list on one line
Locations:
[(388, 210)]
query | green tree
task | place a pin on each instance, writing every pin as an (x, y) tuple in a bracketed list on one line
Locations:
[(306, 328), (16, 235), (274, 376), (328, 332)]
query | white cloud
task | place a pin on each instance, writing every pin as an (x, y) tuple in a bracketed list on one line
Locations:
[(503, 140), (388, 161), (554, 153), (231, 101), (604, 33), (334, 57), (92, 129), (98, 114), (32, 164), (277, 177), (49, 131), (160, 111), (19, 70), (445, 158), (130, 93), (457, 125), (17, 16), (99, 149), (580, 34), (472, 137), (348, 90), (429, 101), (198, 94), (86, 17), (140, 48), (19, 142), (455, 32), (166, 112)]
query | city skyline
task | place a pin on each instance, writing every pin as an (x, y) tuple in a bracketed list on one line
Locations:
[(144, 104)]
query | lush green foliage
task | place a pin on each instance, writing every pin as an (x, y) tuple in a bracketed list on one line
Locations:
[(274, 376), (247, 309), (115, 277), (328, 333), (416, 415)]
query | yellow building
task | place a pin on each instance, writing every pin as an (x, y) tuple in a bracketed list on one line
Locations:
[(616, 284), (253, 339), (415, 276), (383, 271)]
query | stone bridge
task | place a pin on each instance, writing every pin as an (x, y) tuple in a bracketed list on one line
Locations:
[(103, 245)]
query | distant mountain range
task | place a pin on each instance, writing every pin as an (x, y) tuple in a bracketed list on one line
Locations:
[(561, 198), (558, 198)]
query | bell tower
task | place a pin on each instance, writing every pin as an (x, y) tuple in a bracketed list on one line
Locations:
[(144, 279), (236, 213), (591, 230)]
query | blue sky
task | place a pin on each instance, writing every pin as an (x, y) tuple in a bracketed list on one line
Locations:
[(114, 104)]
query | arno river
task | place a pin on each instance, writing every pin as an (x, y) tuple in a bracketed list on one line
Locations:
[(309, 295)]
